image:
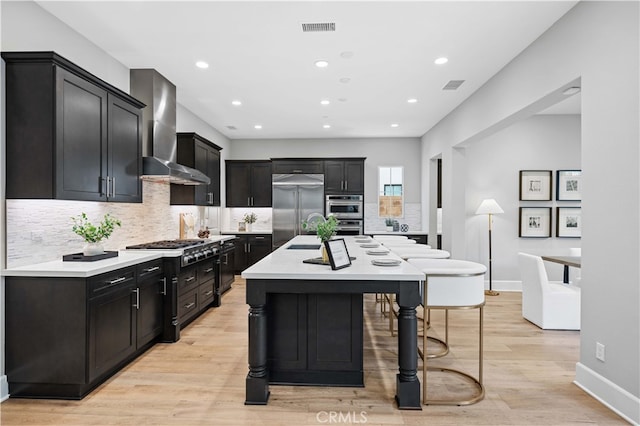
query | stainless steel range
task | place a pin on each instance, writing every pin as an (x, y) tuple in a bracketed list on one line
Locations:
[(193, 280)]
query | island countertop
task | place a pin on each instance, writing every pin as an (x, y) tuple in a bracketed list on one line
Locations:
[(286, 263)]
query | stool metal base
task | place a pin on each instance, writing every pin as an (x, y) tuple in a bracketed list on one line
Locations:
[(477, 396)]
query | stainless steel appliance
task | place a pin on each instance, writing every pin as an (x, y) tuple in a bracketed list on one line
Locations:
[(350, 227), (184, 266), (295, 197), (345, 206)]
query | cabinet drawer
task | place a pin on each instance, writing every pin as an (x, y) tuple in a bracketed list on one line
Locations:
[(187, 280), (206, 271), (111, 281), (148, 269), (188, 305), (206, 293)]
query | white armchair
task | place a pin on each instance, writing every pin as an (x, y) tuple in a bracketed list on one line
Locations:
[(549, 305)]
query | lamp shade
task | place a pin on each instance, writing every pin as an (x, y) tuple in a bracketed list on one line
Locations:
[(489, 206)]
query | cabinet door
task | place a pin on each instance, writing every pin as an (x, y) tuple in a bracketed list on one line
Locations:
[(227, 266), (261, 185), (240, 255), (112, 329), (125, 151), (258, 246), (333, 176), (213, 160), (354, 177), (201, 162), (150, 309), (81, 139), (297, 166), (238, 184)]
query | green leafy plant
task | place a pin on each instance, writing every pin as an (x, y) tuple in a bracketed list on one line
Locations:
[(325, 228), (92, 233), (250, 217), (388, 221)]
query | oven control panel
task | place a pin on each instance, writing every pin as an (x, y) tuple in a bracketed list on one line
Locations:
[(196, 254)]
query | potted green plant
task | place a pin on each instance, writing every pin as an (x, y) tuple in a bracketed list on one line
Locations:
[(92, 234), (249, 219), (325, 229), (389, 223)]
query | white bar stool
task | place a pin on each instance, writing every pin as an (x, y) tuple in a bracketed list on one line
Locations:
[(419, 251), (452, 284)]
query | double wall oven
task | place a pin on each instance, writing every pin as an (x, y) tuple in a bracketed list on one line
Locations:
[(349, 210), (193, 280)]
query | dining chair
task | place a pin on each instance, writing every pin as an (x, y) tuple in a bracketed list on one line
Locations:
[(548, 304), (451, 284)]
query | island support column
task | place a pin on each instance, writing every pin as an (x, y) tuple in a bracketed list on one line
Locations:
[(257, 381), (407, 383)]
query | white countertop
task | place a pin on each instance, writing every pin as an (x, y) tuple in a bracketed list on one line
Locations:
[(287, 264), (60, 268), (410, 232), (253, 232)]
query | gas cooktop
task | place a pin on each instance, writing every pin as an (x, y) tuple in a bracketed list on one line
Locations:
[(168, 244)]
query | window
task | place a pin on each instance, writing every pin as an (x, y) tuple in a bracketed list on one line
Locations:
[(390, 192)]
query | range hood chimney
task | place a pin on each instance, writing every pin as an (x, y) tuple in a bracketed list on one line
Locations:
[(159, 130)]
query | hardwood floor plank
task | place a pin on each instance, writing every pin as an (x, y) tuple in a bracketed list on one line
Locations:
[(200, 380)]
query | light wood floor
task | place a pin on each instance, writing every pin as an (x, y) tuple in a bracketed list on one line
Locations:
[(200, 379)]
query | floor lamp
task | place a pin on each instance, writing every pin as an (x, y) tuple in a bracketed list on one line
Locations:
[(489, 207)]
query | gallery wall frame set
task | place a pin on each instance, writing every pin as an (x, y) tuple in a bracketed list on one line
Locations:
[(535, 185), (535, 222), (568, 222), (569, 185)]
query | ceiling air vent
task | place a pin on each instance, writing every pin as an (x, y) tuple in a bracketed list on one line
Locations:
[(319, 26), (453, 85), (232, 128)]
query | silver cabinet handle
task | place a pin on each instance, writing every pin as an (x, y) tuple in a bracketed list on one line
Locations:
[(249, 246), (208, 270), (190, 305), (190, 279), (107, 185), (137, 292), (248, 201), (164, 286), (154, 268), (117, 280), (346, 185), (259, 238), (113, 186), (209, 293), (245, 248)]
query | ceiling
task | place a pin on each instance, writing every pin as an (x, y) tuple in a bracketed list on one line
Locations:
[(380, 55)]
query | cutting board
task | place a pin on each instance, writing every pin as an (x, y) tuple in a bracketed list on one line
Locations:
[(187, 226)]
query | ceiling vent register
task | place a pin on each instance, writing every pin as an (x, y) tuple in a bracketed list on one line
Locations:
[(453, 85), (318, 26)]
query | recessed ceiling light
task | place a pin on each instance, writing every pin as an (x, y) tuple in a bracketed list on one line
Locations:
[(345, 80), (258, 126), (202, 64), (346, 54), (236, 103), (441, 61), (324, 102), (395, 125), (322, 63), (412, 100), (342, 99), (326, 126)]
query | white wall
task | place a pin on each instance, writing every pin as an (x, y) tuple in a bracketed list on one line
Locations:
[(597, 43), (541, 142)]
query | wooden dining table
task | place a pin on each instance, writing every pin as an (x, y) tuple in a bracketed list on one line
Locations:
[(566, 261)]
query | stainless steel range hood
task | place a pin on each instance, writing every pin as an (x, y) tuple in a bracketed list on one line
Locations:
[(159, 130)]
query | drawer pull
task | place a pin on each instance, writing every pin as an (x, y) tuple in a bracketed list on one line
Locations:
[(164, 286), (155, 268), (208, 270), (259, 238), (137, 292), (117, 280), (209, 293), (190, 305), (190, 279)]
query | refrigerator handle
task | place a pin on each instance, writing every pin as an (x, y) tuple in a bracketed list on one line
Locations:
[(296, 203)]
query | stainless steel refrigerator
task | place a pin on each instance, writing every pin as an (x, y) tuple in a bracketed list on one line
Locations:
[(295, 197)]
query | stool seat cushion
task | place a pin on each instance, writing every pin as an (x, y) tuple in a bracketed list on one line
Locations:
[(451, 283)]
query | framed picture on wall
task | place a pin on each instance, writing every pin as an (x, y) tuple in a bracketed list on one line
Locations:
[(535, 185), (569, 222), (568, 185), (535, 222)]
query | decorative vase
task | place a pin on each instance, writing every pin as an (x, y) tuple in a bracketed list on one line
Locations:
[(325, 254), (92, 249), (390, 228), (248, 226)]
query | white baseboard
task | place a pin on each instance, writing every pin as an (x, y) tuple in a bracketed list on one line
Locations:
[(504, 285), (4, 388), (611, 395)]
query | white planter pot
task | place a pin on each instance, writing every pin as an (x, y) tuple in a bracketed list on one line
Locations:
[(92, 249)]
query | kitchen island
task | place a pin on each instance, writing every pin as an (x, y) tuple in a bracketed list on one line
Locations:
[(306, 320)]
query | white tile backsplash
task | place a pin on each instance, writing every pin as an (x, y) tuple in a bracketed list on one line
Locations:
[(40, 230), (412, 214)]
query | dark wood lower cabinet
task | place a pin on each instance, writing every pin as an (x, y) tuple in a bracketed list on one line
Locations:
[(65, 336), (309, 342)]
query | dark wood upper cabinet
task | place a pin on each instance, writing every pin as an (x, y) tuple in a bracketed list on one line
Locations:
[(248, 183), (199, 153), (69, 135), (297, 165), (344, 176)]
